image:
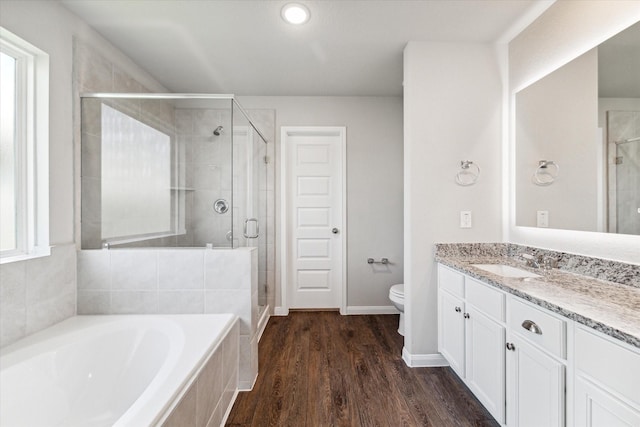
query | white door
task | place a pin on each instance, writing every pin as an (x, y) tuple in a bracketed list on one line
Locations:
[(313, 216)]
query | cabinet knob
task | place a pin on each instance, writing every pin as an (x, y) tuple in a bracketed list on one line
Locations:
[(466, 315), (458, 309), (511, 347)]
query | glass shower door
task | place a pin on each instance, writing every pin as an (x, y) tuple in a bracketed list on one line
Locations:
[(250, 196), (628, 186)]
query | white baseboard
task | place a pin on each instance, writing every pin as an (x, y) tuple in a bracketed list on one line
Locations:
[(262, 322), (280, 311), (373, 309), (423, 360), (229, 408)]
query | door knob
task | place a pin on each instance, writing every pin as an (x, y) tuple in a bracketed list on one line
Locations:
[(334, 230)]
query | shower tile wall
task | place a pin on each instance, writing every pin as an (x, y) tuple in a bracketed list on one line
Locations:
[(207, 173), (624, 174), (95, 73), (92, 72)]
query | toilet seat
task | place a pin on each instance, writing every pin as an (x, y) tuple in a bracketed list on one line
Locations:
[(397, 291)]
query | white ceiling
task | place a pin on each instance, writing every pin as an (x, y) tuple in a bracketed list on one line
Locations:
[(349, 47)]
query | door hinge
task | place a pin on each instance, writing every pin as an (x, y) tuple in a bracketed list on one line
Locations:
[(619, 160), (266, 160)]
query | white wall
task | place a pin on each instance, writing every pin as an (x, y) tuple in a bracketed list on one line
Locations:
[(562, 33), (374, 182), (452, 112)]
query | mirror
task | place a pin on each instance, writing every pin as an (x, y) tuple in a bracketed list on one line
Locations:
[(578, 142)]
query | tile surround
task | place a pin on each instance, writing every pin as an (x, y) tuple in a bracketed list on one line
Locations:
[(175, 281), (35, 294), (208, 398)]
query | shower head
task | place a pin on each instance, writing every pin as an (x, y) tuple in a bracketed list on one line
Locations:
[(218, 131)]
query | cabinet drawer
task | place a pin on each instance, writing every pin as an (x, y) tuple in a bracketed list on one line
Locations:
[(551, 331), (611, 364), (486, 299), (451, 281)]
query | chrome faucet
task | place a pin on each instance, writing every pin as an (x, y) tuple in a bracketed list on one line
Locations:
[(540, 261), (532, 261)]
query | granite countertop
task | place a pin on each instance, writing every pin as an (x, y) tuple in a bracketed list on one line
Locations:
[(609, 307)]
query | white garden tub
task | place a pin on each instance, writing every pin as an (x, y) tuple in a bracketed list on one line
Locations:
[(128, 370)]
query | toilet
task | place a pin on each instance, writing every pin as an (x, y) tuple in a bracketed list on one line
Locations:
[(396, 295)]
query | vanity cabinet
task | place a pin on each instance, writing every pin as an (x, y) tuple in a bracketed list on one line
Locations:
[(472, 336), (536, 347), (607, 384), (531, 367)]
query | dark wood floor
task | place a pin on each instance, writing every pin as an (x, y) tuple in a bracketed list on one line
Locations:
[(323, 369)]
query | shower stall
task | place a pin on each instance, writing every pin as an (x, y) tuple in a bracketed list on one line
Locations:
[(623, 137), (175, 171)]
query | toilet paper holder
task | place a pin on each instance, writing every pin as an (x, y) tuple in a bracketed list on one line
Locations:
[(382, 261)]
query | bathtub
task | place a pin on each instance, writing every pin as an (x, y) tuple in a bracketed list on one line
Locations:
[(129, 370)]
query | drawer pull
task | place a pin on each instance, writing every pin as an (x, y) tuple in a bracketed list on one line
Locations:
[(532, 327), (458, 309), (511, 347), (466, 315)]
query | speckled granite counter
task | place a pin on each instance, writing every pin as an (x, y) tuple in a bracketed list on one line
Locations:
[(609, 307)]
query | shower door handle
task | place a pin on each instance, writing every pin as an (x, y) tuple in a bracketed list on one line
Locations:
[(246, 227)]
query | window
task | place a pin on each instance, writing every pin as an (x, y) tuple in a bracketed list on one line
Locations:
[(24, 149), (136, 179)]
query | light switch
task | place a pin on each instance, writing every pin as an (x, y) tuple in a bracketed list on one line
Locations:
[(465, 219), (543, 219)]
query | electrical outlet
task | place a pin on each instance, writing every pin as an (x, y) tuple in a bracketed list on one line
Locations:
[(543, 219), (465, 219)]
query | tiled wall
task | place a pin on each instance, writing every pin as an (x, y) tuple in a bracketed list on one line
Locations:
[(176, 281), (206, 162), (209, 397), (94, 72), (37, 293)]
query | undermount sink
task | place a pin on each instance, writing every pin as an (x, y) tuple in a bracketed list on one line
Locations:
[(505, 270)]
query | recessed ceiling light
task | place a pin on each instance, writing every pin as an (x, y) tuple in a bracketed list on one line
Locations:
[(295, 13)]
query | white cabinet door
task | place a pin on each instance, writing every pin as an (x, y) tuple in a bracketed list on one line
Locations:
[(485, 361), (451, 323), (594, 407), (535, 386)]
